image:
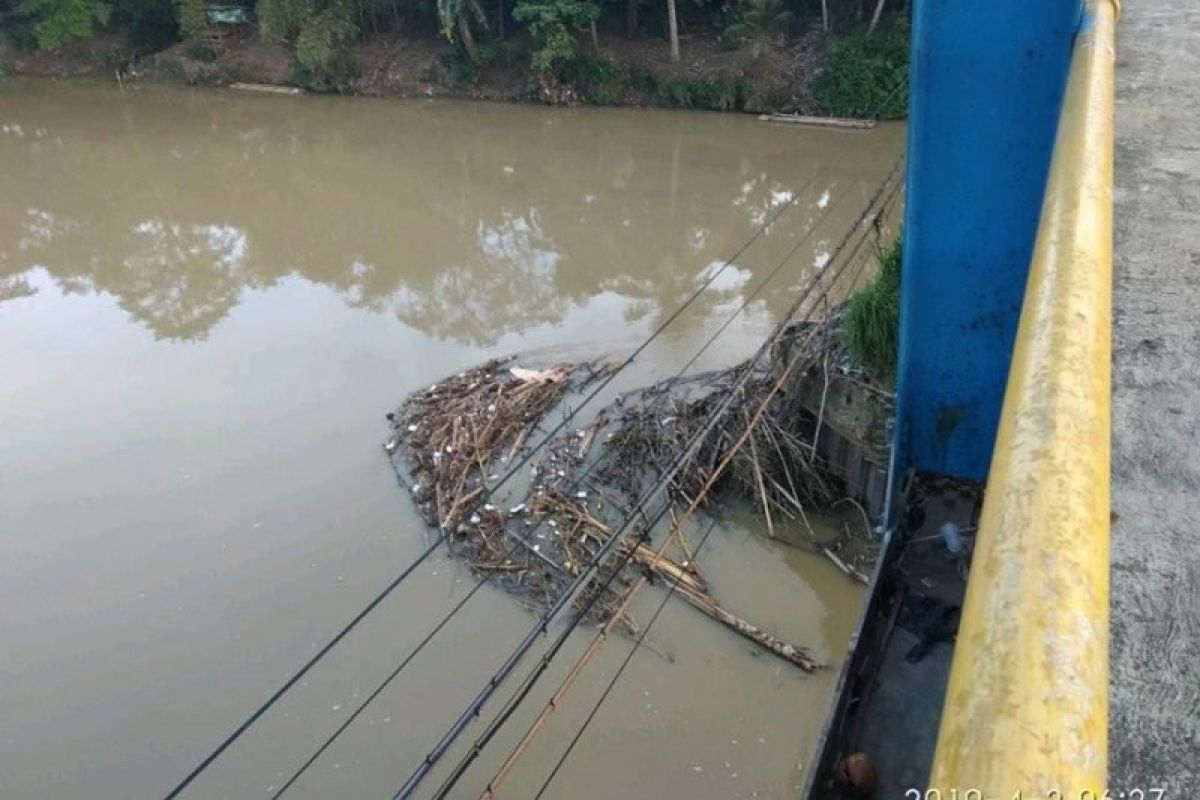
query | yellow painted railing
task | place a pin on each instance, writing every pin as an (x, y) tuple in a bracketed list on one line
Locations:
[(1026, 710)]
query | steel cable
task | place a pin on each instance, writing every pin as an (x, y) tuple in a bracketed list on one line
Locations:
[(518, 465), (675, 583), (526, 643), (602, 635), (575, 484)]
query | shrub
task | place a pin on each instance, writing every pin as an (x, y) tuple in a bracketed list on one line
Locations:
[(281, 19), (553, 25), (201, 51), (454, 67), (192, 19), (595, 79), (117, 58), (172, 67), (872, 325), (641, 78), (756, 25), (866, 76), (325, 58), (324, 32), (505, 52), (52, 23), (718, 92)]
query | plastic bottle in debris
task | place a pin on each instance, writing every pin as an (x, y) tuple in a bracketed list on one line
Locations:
[(952, 537)]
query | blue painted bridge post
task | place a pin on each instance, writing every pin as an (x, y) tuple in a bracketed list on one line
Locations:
[(987, 79)]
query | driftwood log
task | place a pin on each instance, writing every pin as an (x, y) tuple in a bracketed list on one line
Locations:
[(772, 644)]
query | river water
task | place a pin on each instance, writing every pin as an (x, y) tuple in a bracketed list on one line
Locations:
[(208, 301)]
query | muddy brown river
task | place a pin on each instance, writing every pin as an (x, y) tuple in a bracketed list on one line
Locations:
[(208, 301)]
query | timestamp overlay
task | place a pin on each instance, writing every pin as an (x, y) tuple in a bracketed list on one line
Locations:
[(1137, 793)]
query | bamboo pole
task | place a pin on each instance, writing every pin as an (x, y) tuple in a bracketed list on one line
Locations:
[(752, 632)]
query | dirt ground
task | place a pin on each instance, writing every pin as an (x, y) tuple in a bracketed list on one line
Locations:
[(1155, 695)]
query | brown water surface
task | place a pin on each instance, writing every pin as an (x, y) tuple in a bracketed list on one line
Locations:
[(209, 299)]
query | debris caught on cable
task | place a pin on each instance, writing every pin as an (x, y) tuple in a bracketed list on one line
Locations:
[(454, 438)]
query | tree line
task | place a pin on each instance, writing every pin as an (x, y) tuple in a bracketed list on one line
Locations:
[(559, 36)]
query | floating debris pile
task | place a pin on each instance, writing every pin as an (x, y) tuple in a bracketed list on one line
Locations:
[(454, 431), (454, 439), (535, 539), (778, 464)]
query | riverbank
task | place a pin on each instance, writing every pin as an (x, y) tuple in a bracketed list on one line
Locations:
[(615, 71)]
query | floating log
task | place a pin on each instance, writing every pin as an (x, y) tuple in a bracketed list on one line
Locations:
[(752, 632), (266, 87), (828, 122)]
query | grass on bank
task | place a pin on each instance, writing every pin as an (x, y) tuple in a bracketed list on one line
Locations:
[(866, 76), (872, 325)]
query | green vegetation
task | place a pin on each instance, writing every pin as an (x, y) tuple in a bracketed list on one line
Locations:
[(598, 81), (872, 325), (325, 57), (456, 18), (866, 75), (758, 25), (192, 19), (716, 92), (201, 51), (52, 23), (573, 49), (554, 26)]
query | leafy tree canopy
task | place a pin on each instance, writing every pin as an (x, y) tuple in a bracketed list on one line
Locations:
[(53, 23)]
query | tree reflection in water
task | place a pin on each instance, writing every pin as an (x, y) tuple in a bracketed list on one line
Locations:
[(467, 221)]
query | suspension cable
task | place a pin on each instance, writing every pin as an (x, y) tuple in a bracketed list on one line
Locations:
[(602, 635), (628, 657), (526, 643), (667, 596), (518, 465), (576, 482)]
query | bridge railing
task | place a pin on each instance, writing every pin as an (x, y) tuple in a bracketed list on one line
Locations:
[(1026, 709)]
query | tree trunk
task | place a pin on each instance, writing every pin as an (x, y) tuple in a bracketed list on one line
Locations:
[(468, 39), (875, 17), (673, 29), (500, 17), (825, 16), (631, 18), (595, 37)]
